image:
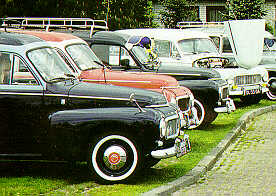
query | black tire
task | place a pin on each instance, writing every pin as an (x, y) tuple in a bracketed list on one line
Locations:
[(271, 94), (113, 158), (251, 99), (205, 113)]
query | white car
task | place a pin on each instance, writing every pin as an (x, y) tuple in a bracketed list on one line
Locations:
[(195, 48), (268, 62)]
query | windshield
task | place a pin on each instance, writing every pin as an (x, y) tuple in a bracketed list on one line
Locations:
[(49, 64), (142, 54), (83, 57), (269, 44), (196, 46)]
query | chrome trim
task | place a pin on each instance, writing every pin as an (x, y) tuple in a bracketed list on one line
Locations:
[(125, 81), (172, 151), (93, 97), (16, 93)]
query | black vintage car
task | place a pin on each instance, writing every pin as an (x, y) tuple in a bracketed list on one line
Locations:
[(46, 113), (124, 52)]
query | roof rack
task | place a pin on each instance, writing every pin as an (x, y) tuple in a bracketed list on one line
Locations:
[(56, 23), (196, 24)]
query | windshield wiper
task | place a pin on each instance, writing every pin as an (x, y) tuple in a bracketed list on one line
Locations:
[(91, 68), (61, 78)]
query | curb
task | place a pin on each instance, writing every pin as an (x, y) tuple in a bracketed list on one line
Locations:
[(209, 160)]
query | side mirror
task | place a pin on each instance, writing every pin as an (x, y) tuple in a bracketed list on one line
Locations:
[(125, 63)]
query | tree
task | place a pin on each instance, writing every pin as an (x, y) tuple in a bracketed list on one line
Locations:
[(245, 9), (119, 13), (178, 10)]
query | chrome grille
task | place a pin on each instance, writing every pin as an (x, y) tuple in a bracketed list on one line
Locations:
[(173, 126), (247, 79), (184, 103)]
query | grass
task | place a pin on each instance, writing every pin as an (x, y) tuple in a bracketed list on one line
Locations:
[(50, 178)]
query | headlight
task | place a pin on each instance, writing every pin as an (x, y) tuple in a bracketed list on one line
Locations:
[(230, 81), (163, 127)]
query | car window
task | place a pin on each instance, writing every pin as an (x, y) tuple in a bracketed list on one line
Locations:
[(162, 48), (195, 46), (216, 40), (21, 74), (5, 68), (83, 56), (112, 55), (226, 46)]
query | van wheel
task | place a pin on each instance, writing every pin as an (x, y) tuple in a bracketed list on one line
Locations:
[(113, 158)]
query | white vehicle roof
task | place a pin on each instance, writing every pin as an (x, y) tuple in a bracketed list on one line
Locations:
[(165, 34)]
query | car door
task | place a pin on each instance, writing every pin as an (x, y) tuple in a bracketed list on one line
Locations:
[(21, 97)]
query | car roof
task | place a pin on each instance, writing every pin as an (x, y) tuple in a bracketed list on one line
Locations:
[(16, 39), (165, 34), (49, 36), (109, 37)]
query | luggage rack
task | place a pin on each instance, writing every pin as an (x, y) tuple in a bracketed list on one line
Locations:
[(55, 23), (197, 24)]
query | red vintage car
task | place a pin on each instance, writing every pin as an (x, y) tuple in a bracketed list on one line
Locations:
[(89, 68)]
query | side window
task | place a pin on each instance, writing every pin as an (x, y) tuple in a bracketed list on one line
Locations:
[(162, 48), (112, 55), (216, 40), (226, 46), (21, 74), (102, 52), (5, 68)]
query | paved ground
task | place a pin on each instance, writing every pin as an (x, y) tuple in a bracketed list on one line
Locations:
[(247, 167)]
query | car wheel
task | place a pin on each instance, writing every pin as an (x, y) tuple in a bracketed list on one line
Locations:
[(251, 99), (113, 158), (205, 114), (271, 94)]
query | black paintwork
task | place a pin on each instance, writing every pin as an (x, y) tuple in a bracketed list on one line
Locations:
[(58, 120), (203, 82)]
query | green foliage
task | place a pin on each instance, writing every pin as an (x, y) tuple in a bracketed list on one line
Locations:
[(176, 11), (118, 13), (245, 9)]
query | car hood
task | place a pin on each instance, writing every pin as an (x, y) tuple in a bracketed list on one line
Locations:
[(188, 72), (135, 79), (108, 92)]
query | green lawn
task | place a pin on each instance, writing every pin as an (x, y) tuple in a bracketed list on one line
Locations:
[(25, 178)]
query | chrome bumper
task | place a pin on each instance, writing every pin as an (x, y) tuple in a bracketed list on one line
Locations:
[(247, 90), (180, 148), (188, 119), (228, 108)]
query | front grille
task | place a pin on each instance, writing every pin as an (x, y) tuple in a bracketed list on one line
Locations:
[(184, 103), (173, 126), (247, 79)]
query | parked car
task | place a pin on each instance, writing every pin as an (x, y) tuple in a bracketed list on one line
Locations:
[(217, 33), (207, 108), (89, 68), (121, 53), (195, 48), (46, 113)]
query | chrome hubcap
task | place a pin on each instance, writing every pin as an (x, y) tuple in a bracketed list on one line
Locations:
[(115, 157)]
